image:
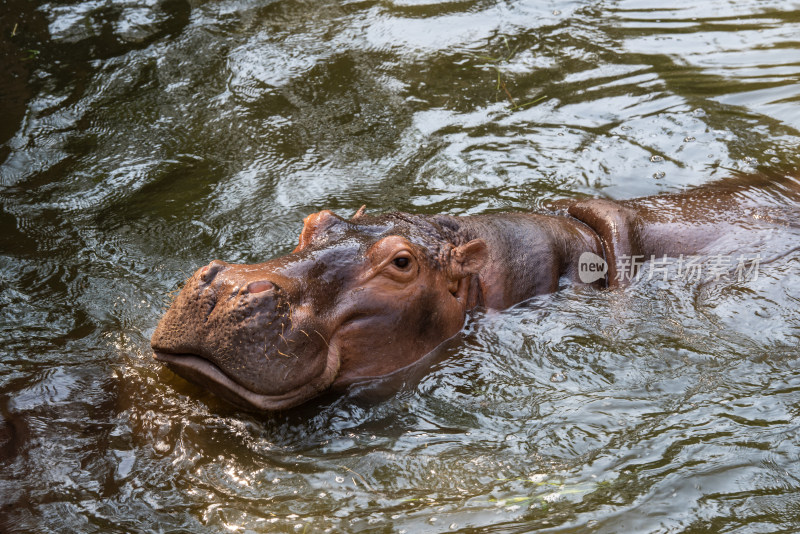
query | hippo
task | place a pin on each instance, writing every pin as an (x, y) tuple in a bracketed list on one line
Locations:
[(362, 297)]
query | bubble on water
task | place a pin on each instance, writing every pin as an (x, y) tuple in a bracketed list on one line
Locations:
[(552, 497), (656, 158), (770, 152), (339, 479), (624, 128), (659, 175), (556, 12), (432, 520), (689, 139), (561, 134), (558, 377), (775, 159), (453, 526), (699, 112)]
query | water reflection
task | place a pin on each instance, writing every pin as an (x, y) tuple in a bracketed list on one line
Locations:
[(150, 137)]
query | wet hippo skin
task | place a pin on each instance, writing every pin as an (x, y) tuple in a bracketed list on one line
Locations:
[(362, 297)]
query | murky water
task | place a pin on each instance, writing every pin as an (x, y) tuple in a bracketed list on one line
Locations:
[(141, 139)]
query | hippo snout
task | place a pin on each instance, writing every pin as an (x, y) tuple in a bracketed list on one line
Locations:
[(235, 327)]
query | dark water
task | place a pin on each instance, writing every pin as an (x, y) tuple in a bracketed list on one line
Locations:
[(141, 139)]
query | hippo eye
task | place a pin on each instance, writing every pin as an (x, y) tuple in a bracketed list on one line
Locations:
[(402, 262)]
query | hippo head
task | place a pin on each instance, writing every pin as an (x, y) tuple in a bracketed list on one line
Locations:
[(356, 299)]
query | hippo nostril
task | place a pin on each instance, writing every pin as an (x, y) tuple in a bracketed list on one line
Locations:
[(209, 272), (260, 286)]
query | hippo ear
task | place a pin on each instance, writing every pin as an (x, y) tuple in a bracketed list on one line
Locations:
[(469, 258), (313, 224), (359, 213)]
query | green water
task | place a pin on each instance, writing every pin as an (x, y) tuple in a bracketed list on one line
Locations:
[(142, 139)]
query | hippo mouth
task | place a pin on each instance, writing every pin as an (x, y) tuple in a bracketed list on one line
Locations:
[(205, 373)]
